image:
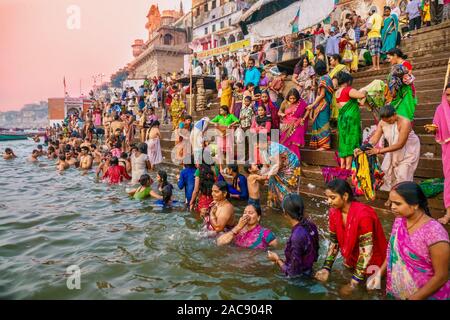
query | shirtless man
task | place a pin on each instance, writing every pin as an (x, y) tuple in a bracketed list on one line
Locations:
[(86, 143), (104, 165), (41, 150), (96, 154), (34, 156), (85, 159), (117, 124), (70, 159), (253, 184), (62, 164), (9, 154), (222, 213)]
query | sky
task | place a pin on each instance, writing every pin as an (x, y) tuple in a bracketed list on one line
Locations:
[(40, 44)]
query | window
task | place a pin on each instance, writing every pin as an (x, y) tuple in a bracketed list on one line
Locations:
[(206, 7), (229, 22), (214, 28), (222, 24), (168, 39), (213, 4), (206, 30), (232, 39), (197, 12)]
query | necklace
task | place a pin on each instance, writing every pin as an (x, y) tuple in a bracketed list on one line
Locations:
[(415, 222)]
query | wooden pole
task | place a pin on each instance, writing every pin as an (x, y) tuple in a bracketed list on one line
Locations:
[(191, 89)]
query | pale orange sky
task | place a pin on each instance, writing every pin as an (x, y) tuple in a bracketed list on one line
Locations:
[(37, 49)]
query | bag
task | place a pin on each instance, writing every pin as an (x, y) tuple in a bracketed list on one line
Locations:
[(432, 187)]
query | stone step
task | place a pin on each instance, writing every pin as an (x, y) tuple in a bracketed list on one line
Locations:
[(425, 68), (427, 168)]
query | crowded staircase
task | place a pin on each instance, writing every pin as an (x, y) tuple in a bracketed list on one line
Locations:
[(428, 50)]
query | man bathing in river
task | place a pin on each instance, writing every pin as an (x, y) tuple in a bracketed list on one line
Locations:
[(85, 159), (97, 155), (9, 154), (34, 156), (62, 163)]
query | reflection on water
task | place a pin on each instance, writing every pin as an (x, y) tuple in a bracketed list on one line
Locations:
[(128, 249)]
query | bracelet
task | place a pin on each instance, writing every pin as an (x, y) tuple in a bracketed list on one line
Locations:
[(234, 232)]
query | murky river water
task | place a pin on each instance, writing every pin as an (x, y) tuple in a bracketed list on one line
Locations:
[(128, 249)]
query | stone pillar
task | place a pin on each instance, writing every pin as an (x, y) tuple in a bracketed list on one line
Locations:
[(201, 97)]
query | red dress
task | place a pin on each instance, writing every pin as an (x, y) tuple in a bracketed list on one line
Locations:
[(115, 174)]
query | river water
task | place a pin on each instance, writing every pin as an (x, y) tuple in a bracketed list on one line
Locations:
[(127, 249)]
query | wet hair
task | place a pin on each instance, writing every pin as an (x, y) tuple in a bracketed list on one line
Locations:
[(8, 150), (206, 179), (144, 179), (85, 148), (93, 146), (344, 77), (293, 92), (413, 195), (163, 175), (124, 155), (257, 209), (397, 52), (387, 111), (62, 157), (225, 108), (337, 57), (341, 187), (35, 151), (235, 168), (223, 187), (320, 68), (116, 118), (114, 161), (294, 206), (143, 148), (155, 123), (39, 146)]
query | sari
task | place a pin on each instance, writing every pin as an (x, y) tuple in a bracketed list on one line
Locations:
[(349, 128), (305, 77), (409, 265), (238, 97), (442, 120), (401, 94), (257, 238), (320, 134), (337, 69), (389, 33), (361, 240), (287, 178), (176, 110), (227, 94), (292, 134)]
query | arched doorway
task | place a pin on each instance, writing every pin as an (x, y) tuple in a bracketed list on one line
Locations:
[(232, 39), (167, 40), (222, 41), (240, 36)]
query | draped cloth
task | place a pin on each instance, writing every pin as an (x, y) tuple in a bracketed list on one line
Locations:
[(349, 128), (389, 33), (292, 132), (320, 131)]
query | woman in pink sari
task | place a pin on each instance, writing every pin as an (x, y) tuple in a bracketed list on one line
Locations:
[(441, 127), (248, 233), (418, 254), (97, 117), (293, 124)]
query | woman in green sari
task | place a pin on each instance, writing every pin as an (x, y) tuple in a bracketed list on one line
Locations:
[(349, 119), (389, 31), (400, 94)]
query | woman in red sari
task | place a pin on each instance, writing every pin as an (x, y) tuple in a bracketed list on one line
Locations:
[(356, 232)]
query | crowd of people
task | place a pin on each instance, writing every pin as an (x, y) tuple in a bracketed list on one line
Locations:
[(121, 139)]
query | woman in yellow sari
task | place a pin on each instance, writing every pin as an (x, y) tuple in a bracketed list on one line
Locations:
[(176, 110), (227, 92), (336, 65)]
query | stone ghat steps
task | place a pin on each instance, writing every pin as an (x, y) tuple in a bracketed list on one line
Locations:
[(427, 168), (418, 123), (423, 110)]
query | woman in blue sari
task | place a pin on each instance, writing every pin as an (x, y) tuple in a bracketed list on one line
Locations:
[(389, 31)]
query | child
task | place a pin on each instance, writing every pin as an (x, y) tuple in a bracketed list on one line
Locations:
[(145, 189), (115, 173), (186, 180), (253, 180), (9, 154), (117, 150), (34, 156)]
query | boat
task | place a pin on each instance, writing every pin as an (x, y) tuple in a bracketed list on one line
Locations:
[(8, 136)]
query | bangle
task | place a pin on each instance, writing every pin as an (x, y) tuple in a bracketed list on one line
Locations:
[(234, 232)]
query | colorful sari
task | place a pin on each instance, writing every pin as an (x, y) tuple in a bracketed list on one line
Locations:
[(340, 67), (409, 265), (361, 240), (176, 110), (227, 94), (349, 128), (287, 178), (442, 120), (257, 238), (292, 134), (402, 94), (305, 77), (389, 33), (320, 133)]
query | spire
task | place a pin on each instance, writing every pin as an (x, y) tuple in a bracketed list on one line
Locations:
[(181, 8)]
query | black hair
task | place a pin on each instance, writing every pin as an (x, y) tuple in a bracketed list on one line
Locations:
[(341, 187), (239, 85), (413, 195), (448, 86), (155, 123), (344, 77), (337, 57), (114, 161), (225, 108), (293, 92), (163, 176), (387, 111), (206, 179), (188, 117), (247, 98), (247, 167), (7, 150), (294, 206), (35, 151), (257, 209), (93, 146), (387, 8), (39, 146), (124, 155), (223, 187), (251, 59), (250, 84), (397, 52), (84, 148), (116, 117), (144, 179), (143, 148), (300, 62), (62, 157), (50, 149), (320, 48), (320, 68)]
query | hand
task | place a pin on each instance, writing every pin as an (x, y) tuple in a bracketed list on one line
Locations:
[(373, 151), (430, 128), (302, 121), (357, 152), (322, 275), (309, 107), (242, 222), (272, 256)]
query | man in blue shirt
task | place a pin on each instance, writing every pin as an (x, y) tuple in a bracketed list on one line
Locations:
[(414, 14), (252, 74), (186, 181)]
